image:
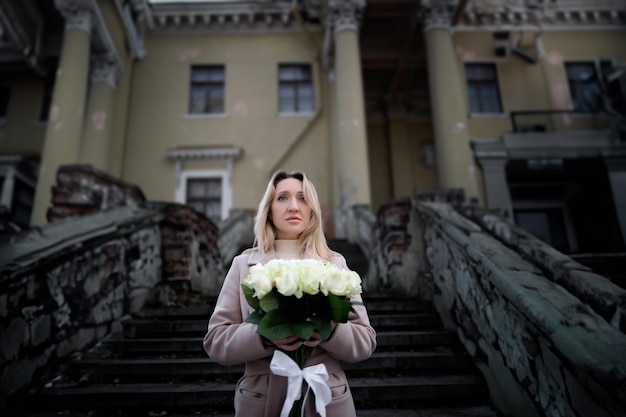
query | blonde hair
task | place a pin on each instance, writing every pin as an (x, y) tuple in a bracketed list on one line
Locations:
[(312, 240)]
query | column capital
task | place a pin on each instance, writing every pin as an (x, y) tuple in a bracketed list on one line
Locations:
[(345, 14), (437, 14), (77, 14), (104, 69)]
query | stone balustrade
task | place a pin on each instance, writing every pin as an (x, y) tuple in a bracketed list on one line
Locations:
[(66, 285), (543, 349)]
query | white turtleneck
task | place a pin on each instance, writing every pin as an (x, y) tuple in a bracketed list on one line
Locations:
[(286, 249)]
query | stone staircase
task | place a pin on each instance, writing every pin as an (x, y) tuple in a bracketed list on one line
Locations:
[(157, 367)]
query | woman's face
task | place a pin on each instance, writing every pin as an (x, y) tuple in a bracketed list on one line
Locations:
[(289, 211)]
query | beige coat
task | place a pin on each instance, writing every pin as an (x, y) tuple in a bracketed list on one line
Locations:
[(230, 341)]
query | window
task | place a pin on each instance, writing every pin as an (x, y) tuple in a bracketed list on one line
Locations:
[(584, 87), (5, 93), (482, 88), (207, 89), (295, 87), (205, 196)]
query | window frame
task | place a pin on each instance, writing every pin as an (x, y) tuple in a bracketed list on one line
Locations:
[(574, 100), (185, 176), (208, 85), (310, 82), (496, 83)]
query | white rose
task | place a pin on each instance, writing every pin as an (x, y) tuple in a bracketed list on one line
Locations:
[(342, 283), (310, 279), (286, 279), (260, 280)]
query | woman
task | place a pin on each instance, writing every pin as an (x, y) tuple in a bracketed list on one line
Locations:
[(288, 226)]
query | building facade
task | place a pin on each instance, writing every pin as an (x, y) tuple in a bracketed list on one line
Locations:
[(519, 103)]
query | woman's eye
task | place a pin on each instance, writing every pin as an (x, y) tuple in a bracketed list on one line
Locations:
[(301, 198), (282, 198)]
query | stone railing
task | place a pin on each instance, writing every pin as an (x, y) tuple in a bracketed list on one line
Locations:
[(235, 234), (359, 231), (537, 325), (397, 255), (191, 257), (65, 285)]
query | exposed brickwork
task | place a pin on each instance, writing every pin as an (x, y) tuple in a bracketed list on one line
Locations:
[(82, 189), (190, 250)]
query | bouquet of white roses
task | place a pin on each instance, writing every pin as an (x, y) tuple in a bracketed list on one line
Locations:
[(300, 297)]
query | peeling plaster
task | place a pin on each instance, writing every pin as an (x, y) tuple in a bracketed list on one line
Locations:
[(98, 119), (185, 54), (555, 58), (241, 108), (54, 113)]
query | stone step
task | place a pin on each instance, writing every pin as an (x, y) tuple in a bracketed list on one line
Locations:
[(417, 411), (193, 345), (432, 389), (146, 327), (140, 369), (471, 411)]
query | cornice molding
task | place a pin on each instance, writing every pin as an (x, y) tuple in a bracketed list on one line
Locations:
[(550, 16), (21, 27), (223, 17), (345, 14)]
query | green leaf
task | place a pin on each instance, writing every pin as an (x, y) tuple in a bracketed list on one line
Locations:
[(339, 307), (322, 325), (255, 317), (250, 298), (303, 330), (270, 302), (274, 326)]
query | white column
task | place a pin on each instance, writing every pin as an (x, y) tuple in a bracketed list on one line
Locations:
[(352, 162), (65, 121), (455, 162), (99, 117)]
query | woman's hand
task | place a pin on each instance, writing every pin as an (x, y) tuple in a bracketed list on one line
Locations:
[(316, 339), (289, 343)]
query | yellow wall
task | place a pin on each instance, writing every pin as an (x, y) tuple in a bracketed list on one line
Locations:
[(539, 86), (158, 118), (396, 159)]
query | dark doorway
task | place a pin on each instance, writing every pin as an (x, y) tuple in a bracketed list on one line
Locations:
[(568, 203)]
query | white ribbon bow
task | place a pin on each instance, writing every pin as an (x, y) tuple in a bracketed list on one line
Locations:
[(315, 376)]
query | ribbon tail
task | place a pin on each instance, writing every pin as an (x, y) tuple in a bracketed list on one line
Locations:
[(316, 377), (283, 365)]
